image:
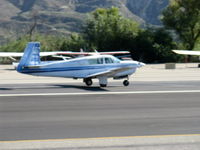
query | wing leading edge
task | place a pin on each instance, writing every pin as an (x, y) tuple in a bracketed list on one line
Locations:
[(108, 73)]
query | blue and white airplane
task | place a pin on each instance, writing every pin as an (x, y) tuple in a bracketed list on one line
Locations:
[(87, 68)]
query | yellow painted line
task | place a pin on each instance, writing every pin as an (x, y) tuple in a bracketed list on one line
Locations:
[(103, 138)]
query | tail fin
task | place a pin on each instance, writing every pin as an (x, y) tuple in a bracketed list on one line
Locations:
[(31, 56)]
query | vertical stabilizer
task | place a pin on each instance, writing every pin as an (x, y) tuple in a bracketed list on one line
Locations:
[(31, 56)]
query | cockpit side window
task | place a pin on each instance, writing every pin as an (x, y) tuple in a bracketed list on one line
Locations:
[(102, 60), (108, 60)]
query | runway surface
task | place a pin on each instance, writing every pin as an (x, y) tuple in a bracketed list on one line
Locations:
[(57, 111)]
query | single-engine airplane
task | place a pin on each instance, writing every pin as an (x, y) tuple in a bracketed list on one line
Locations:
[(97, 66)]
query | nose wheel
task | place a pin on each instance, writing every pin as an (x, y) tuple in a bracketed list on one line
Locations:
[(126, 83)]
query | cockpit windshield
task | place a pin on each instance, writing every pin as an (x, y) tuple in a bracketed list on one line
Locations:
[(111, 60), (116, 60)]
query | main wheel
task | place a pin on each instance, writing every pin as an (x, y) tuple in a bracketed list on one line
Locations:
[(126, 83), (88, 82)]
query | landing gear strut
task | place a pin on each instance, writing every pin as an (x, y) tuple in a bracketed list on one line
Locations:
[(103, 81), (88, 81)]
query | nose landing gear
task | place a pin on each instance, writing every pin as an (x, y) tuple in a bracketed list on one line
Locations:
[(126, 83)]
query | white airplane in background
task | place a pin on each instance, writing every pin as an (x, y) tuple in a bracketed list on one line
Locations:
[(97, 66), (187, 52), (14, 55), (61, 55)]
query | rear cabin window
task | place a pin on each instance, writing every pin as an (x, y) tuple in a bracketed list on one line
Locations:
[(100, 60), (95, 61), (92, 61)]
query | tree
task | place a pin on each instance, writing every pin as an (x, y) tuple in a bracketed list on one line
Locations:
[(154, 46), (183, 16), (74, 43), (108, 30), (34, 25), (48, 43)]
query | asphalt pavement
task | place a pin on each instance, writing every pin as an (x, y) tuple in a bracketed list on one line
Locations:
[(147, 114)]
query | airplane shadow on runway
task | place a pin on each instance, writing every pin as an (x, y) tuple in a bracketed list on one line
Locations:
[(53, 86), (12, 69), (92, 88), (4, 89)]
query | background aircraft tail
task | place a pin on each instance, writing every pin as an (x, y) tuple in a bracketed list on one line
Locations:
[(31, 56)]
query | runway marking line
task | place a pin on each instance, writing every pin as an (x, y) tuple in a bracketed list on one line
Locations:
[(103, 138), (100, 93)]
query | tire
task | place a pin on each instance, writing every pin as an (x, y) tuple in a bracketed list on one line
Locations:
[(88, 82), (126, 83), (103, 85)]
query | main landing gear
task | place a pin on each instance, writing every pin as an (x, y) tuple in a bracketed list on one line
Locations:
[(88, 81)]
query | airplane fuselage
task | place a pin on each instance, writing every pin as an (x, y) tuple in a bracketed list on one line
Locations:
[(81, 67)]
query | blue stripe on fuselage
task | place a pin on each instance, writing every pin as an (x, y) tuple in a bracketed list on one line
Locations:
[(59, 69)]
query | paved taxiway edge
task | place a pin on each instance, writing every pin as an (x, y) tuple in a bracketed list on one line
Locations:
[(164, 142)]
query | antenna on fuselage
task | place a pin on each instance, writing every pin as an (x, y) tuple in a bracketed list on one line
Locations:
[(81, 50), (96, 52)]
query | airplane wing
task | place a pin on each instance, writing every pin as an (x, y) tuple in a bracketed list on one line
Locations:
[(93, 53), (110, 72), (114, 53), (49, 53), (10, 54), (13, 55), (187, 52), (17, 54)]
